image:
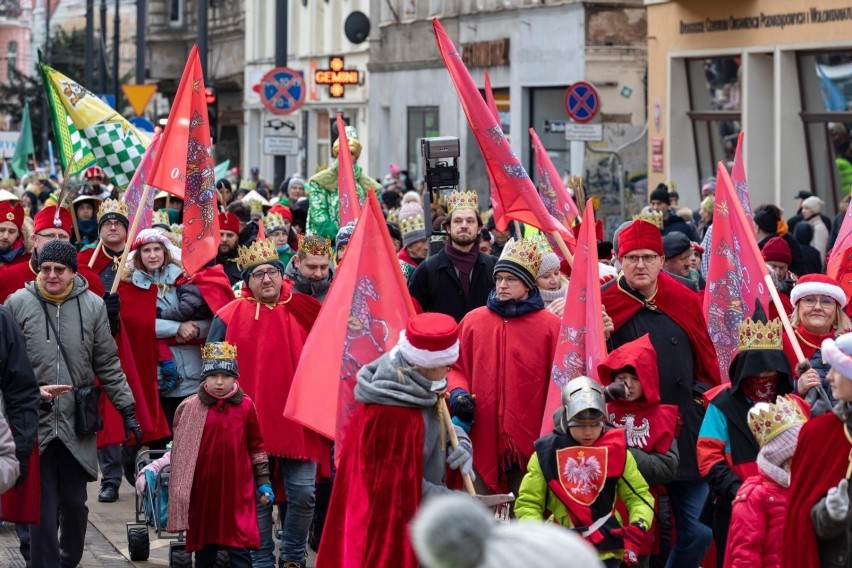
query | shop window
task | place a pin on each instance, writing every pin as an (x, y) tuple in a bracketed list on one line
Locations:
[(825, 81), (715, 102), (422, 123)]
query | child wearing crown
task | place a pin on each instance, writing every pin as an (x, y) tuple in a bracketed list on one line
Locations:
[(761, 501), (219, 469)]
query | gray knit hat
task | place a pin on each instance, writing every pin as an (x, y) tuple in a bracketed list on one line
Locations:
[(60, 252), (411, 223), (344, 235), (219, 357)]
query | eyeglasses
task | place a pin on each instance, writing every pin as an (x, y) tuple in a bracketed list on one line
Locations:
[(54, 236), (509, 280), (635, 258), (58, 270), (272, 273), (113, 224), (811, 301)]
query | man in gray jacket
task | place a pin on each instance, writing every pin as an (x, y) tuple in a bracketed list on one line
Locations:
[(68, 342)]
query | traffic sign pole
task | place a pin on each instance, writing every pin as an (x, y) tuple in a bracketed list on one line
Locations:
[(582, 103)]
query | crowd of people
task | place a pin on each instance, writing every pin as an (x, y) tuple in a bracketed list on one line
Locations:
[(660, 460)]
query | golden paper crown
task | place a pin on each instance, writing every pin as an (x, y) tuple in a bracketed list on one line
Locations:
[(766, 421), (8, 183), (759, 335), (176, 234), (273, 222), (255, 206), (525, 253), (262, 251), (312, 244), (462, 200), (160, 217), (219, 350), (247, 184), (409, 224), (541, 242), (112, 206), (655, 217)]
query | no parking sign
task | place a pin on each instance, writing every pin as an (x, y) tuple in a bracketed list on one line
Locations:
[(582, 102), (282, 90)]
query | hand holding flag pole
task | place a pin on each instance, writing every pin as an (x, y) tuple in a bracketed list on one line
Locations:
[(454, 442)]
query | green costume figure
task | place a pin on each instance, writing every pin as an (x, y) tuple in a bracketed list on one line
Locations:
[(324, 207)]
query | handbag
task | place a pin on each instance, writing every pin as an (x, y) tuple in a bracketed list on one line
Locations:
[(87, 398)]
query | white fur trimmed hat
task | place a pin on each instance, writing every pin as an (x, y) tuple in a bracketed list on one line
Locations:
[(430, 340), (838, 353), (818, 284)]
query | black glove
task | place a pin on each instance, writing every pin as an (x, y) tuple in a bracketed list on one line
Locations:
[(113, 307), (462, 404), (131, 425), (159, 313), (615, 391)]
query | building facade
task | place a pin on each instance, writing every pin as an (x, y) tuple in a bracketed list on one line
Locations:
[(780, 70)]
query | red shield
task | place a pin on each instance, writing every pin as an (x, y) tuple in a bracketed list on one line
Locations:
[(582, 472)]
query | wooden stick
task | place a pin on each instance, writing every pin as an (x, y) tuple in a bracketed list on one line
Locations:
[(131, 235), (557, 236), (454, 442), (95, 254), (74, 221), (518, 234), (785, 321)]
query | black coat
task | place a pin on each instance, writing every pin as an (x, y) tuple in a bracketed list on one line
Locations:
[(797, 266), (435, 285), (676, 223), (229, 263)]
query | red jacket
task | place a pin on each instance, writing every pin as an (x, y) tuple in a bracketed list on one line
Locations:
[(757, 524)]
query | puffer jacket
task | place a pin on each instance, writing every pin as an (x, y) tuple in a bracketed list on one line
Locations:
[(83, 330), (757, 524)]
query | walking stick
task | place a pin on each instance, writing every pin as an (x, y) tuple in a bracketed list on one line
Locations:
[(454, 442)]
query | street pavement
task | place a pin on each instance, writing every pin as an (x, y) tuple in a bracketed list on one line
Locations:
[(106, 536)]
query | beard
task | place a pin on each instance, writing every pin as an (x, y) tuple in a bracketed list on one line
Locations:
[(6, 248), (462, 240)]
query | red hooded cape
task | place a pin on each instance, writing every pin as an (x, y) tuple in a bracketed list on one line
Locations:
[(372, 497), (214, 286), (813, 472)]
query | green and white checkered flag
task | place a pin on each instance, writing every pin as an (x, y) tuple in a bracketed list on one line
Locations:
[(117, 150)]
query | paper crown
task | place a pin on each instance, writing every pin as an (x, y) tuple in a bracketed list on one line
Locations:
[(160, 217), (261, 251), (255, 206), (247, 184), (541, 242), (525, 253), (654, 217), (767, 421), (112, 206), (409, 224), (756, 334), (274, 222), (219, 350), (312, 244), (462, 200), (176, 235)]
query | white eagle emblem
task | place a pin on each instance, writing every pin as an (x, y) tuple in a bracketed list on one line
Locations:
[(637, 435), (583, 475)]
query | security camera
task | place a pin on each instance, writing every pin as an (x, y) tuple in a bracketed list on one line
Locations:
[(439, 147)]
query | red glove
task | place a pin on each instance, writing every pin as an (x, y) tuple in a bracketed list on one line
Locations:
[(633, 536)]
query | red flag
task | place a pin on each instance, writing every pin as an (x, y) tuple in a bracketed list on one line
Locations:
[(513, 189), (581, 336), (350, 208), (133, 196), (552, 191), (183, 166), (735, 278), (738, 178), (492, 106), (261, 233), (366, 308), (839, 265)]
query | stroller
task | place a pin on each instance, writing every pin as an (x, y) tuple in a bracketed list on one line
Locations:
[(152, 511)]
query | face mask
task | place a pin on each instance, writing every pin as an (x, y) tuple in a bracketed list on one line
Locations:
[(439, 386)]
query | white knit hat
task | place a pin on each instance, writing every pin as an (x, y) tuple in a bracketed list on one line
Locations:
[(818, 284), (838, 353)]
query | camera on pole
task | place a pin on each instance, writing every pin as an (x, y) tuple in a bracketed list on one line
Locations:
[(442, 174)]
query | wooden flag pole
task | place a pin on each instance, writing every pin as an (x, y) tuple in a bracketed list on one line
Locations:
[(518, 234), (557, 236), (785, 321), (131, 236), (95, 254), (74, 221), (454, 442)]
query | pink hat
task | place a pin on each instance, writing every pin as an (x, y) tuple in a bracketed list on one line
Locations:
[(818, 284), (838, 352), (430, 340)]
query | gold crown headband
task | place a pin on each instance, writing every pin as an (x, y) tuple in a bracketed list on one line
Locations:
[(259, 252), (410, 224), (759, 335), (160, 217), (313, 244), (766, 421), (654, 217), (219, 350), (462, 200), (525, 253), (112, 206)]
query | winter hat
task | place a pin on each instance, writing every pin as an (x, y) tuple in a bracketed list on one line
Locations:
[(803, 233), (802, 194), (282, 210), (44, 219), (229, 222), (838, 353), (709, 186), (766, 217), (813, 203), (12, 211), (549, 260), (411, 223), (430, 340), (813, 284), (61, 252), (295, 179), (640, 235), (661, 193), (219, 357), (344, 235), (455, 530), (776, 249), (521, 258), (675, 243), (148, 236)]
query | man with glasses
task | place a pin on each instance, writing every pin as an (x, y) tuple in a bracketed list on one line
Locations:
[(643, 299), (269, 324), (499, 384)]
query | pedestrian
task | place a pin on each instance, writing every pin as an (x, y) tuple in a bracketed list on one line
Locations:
[(68, 347), (413, 227), (811, 210), (552, 285), (13, 249), (660, 202), (227, 255), (811, 259), (310, 269), (768, 223), (579, 471), (218, 427)]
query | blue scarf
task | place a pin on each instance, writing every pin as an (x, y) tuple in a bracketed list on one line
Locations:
[(515, 308), (13, 253)]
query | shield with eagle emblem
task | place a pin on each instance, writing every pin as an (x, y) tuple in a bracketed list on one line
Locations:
[(582, 472)]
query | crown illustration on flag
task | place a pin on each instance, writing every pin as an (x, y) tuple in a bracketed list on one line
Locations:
[(756, 334), (524, 252), (274, 222), (313, 244), (767, 421), (462, 200), (160, 217), (410, 224), (655, 217), (219, 350), (261, 251), (112, 206)]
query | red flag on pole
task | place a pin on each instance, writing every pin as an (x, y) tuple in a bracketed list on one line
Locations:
[(552, 191), (350, 207), (366, 308), (492, 106), (735, 277), (261, 232), (738, 178), (133, 196), (514, 190), (839, 265), (581, 336), (183, 166)]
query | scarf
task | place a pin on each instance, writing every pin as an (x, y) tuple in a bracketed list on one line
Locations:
[(56, 299), (392, 381), (760, 389), (14, 252), (515, 308), (775, 453), (207, 398), (550, 296), (463, 262)]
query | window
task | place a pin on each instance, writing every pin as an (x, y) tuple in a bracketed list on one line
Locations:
[(436, 7), (11, 58), (715, 109), (176, 12), (422, 123)]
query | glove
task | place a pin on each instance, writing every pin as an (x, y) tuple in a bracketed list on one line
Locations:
[(462, 404), (615, 391), (168, 376), (113, 307), (266, 490), (837, 501), (633, 535), (461, 458), (466, 426), (131, 425), (159, 313)]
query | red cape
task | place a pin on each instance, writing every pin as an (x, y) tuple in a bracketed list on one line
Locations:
[(101, 261), (214, 286), (373, 502), (813, 472), (681, 305)]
